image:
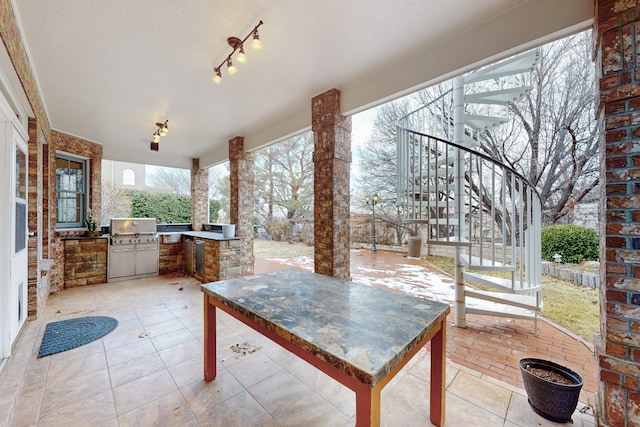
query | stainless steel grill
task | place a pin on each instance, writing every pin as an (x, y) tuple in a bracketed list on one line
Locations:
[(133, 249)]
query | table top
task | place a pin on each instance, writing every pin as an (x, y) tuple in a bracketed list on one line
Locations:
[(362, 330)]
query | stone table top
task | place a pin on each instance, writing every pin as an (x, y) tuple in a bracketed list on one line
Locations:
[(362, 330)]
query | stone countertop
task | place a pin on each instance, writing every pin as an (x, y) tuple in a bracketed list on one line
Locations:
[(362, 330), (207, 235), (102, 236)]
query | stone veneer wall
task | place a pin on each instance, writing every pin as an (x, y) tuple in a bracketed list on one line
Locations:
[(617, 36), (85, 261), (332, 163), (79, 147), (241, 213), (222, 260)]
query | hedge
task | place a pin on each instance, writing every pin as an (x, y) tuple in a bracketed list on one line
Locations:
[(576, 244)]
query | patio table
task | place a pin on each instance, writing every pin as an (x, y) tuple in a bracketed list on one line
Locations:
[(357, 334)]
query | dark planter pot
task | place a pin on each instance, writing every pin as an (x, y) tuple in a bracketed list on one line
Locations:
[(551, 400)]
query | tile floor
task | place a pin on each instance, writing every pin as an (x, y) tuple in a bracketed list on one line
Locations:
[(148, 372)]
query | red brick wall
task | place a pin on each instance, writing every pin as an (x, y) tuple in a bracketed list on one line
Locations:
[(33, 219), (617, 36), (13, 43), (80, 147), (332, 163)]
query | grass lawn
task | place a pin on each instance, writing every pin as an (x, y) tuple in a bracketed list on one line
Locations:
[(574, 307)]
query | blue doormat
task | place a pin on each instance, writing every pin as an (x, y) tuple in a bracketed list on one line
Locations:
[(67, 334)]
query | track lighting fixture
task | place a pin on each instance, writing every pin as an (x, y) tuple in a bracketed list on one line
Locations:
[(237, 45), (163, 130)]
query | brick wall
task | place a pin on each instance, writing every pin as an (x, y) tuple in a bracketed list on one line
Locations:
[(85, 261), (617, 37), (79, 147)]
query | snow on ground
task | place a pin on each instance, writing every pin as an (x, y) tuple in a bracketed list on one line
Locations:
[(412, 279)]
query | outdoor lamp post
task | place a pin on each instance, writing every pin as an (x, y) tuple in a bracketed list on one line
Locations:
[(374, 200)]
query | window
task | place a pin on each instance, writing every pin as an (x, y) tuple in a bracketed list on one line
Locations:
[(128, 177), (71, 189)]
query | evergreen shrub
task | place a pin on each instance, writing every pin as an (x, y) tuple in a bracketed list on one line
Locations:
[(576, 244)]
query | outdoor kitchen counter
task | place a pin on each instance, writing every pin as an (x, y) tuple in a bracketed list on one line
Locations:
[(206, 235)]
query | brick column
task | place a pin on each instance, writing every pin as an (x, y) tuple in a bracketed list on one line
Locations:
[(332, 162), (241, 213), (617, 36), (34, 220), (199, 195)]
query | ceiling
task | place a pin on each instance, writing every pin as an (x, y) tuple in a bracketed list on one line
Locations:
[(109, 70)]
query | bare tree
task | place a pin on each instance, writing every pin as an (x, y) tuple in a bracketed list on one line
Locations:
[(284, 184), (116, 202), (553, 140), (378, 168), (179, 180)]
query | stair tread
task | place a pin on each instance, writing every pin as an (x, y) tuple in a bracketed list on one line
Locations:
[(477, 262), (500, 283), (483, 122), (498, 97), (515, 65), (525, 301), (512, 312), (495, 282)]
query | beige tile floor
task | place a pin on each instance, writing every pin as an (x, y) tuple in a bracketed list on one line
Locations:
[(148, 372)]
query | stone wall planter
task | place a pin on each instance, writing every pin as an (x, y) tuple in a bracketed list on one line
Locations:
[(551, 400)]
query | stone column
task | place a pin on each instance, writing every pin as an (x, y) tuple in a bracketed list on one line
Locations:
[(241, 179), (332, 162), (617, 36), (199, 195)]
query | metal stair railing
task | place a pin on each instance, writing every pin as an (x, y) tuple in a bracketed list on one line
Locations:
[(501, 213)]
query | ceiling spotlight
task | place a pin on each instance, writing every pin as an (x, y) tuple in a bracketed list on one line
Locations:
[(163, 128), (241, 57), (237, 45), (256, 44), (156, 137), (231, 69), (217, 76)]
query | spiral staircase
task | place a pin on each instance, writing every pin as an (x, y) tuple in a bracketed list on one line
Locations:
[(465, 199)]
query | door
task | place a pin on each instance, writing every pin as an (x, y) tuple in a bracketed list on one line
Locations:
[(13, 284), (147, 259), (122, 261)]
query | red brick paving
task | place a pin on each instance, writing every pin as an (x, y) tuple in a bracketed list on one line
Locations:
[(493, 345)]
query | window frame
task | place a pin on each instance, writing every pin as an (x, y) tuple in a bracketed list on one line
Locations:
[(84, 194)]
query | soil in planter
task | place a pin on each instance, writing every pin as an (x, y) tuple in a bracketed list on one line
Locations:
[(549, 375)]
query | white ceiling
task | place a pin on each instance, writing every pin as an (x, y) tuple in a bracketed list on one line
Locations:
[(109, 70)]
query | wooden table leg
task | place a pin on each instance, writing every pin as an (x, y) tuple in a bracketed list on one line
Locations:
[(209, 340), (367, 406), (438, 375)]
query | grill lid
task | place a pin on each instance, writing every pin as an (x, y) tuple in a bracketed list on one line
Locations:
[(132, 226)]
